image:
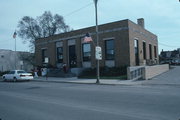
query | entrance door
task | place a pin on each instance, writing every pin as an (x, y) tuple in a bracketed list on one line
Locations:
[(72, 56)]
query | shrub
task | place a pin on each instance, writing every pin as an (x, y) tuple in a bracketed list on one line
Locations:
[(105, 71), (4, 72)]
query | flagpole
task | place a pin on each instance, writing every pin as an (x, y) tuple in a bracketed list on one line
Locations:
[(15, 52), (14, 36)]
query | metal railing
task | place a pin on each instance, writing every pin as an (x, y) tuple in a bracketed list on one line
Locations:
[(135, 73)]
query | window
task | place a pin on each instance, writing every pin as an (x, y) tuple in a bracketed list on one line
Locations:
[(12, 72), (60, 54), (136, 46), (155, 52), (21, 72), (150, 51), (144, 50), (44, 55), (86, 52), (109, 49), (136, 51)]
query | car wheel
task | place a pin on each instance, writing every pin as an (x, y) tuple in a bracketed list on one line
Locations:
[(4, 79), (14, 79)]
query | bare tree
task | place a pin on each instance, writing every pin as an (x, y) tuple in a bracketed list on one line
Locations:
[(27, 57), (46, 25)]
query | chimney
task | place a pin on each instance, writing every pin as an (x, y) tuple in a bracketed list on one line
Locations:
[(140, 22)]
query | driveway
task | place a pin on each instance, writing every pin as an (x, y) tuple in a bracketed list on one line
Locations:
[(171, 77)]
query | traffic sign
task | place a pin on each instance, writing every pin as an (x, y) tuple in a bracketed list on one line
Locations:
[(98, 53)]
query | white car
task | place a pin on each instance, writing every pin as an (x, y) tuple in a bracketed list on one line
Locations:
[(17, 75)]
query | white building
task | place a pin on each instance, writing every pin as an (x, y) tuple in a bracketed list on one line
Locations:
[(10, 60)]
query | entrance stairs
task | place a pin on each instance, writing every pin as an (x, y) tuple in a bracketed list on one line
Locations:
[(60, 73)]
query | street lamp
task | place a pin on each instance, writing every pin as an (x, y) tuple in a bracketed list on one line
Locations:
[(97, 40)]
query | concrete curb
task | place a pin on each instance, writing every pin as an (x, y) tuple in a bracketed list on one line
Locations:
[(84, 81), (101, 83), (88, 81), (73, 82)]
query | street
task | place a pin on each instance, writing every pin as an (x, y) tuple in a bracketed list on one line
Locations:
[(66, 101)]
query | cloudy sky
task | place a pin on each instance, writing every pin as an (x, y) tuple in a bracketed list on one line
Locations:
[(162, 17)]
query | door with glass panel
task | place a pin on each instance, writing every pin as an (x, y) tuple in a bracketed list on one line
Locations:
[(72, 56)]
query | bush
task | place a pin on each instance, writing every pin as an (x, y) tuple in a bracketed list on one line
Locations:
[(113, 71), (2, 73), (105, 71)]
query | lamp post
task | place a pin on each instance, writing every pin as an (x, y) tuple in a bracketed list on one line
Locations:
[(97, 40)]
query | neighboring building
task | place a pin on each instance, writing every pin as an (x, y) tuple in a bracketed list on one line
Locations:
[(171, 57), (123, 43), (8, 61)]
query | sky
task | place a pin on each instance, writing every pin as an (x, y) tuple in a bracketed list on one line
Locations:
[(162, 17)]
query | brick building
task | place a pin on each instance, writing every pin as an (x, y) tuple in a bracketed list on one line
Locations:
[(123, 43)]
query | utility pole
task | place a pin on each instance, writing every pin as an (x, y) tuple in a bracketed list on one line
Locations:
[(97, 41)]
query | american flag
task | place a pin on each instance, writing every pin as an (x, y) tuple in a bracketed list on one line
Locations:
[(14, 35), (87, 38)]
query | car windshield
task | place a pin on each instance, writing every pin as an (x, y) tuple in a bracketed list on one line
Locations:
[(11, 72), (21, 71)]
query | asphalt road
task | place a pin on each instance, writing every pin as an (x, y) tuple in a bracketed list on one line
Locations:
[(61, 101)]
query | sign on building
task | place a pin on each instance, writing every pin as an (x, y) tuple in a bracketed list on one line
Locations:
[(46, 60)]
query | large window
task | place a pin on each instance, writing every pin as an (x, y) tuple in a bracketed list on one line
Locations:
[(150, 51), (155, 52), (109, 49), (44, 55), (136, 51), (144, 50), (86, 52), (60, 54)]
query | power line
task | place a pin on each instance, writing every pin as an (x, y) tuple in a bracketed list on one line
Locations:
[(171, 46), (78, 9), (87, 5)]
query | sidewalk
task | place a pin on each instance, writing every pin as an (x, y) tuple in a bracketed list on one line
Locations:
[(170, 77), (88, 81)]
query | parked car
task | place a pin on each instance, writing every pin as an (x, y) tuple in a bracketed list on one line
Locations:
[(15, 75), (175, 62)]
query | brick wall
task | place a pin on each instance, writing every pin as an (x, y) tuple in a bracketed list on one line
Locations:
[(123, 32)]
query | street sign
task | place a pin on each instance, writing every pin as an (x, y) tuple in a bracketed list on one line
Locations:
[(98, 53)]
